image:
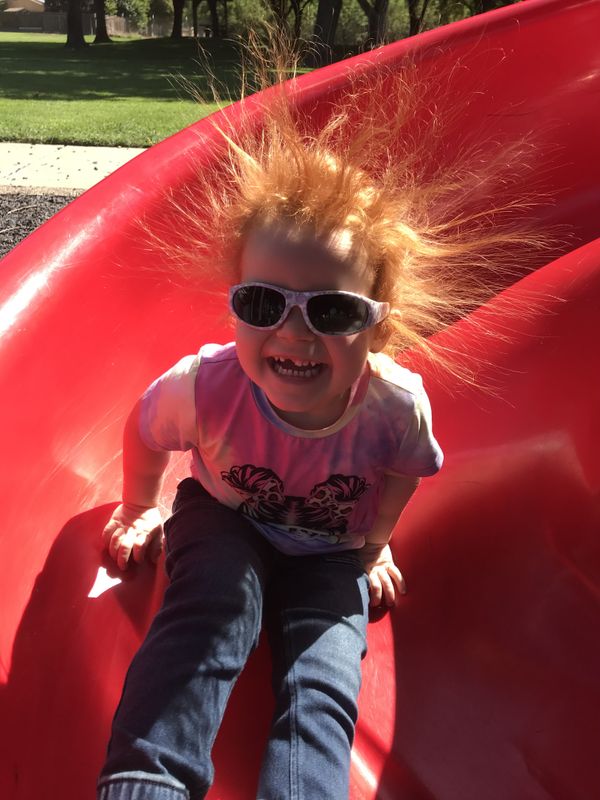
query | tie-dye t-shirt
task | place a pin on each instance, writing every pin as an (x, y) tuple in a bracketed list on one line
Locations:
[(306, 491)]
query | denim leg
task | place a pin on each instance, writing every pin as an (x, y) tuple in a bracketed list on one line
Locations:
[(180, 680), (318, 637)]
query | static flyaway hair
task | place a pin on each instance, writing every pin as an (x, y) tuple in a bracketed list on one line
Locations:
[(441, 233)]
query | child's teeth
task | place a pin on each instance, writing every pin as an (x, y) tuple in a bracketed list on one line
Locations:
[(296, 361), (306, 369)]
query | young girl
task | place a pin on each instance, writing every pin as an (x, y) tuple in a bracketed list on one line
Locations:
[(307, 442)]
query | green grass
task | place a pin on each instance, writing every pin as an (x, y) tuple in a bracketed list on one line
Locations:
[(128, 93)]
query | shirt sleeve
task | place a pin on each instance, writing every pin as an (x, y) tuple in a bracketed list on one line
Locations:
[(419, 453), (168, 408), (407, 408)]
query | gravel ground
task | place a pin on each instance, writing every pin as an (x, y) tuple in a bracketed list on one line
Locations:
[(22, 212)]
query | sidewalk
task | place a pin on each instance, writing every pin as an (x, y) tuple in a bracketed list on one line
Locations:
[(49, 168)]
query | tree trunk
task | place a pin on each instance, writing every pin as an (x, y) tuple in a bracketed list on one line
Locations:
[(224, 28), (416, 15), (75, 40), (323, 38), (177, 32), (413, 17), (102, 36), (377, 19), (481, 6), (378, 22), (214, 18), (195, 4), (444, 11), (296, 9), (278, 9)]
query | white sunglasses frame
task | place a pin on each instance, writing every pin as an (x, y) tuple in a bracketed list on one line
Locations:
[(377, 311)]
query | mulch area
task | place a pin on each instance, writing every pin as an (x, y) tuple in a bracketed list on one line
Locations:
[(22, 212)]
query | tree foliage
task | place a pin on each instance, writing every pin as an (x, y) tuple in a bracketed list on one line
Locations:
[(134, 10), (369, 23), (326, 24)]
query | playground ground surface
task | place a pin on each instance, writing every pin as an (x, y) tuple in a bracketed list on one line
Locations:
[(37, 180)]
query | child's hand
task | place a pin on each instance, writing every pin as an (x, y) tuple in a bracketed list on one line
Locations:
[(385, 579), (133, 531)]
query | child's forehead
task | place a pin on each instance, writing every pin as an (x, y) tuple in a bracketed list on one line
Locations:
[(299, 258)]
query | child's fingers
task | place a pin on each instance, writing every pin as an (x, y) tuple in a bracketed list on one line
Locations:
[(125, 541), (397, 578), (108, 533), (112, 539), (122, 545), (375, 589), (144, 542), (115, 527), (138, 551), (387, 586), (155, 547)]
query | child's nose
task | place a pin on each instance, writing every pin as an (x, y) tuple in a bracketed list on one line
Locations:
[(294, 326)]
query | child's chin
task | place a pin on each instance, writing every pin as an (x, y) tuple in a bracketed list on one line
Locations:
[(308, 415), (287, 393), (290, 405), (295, 394)]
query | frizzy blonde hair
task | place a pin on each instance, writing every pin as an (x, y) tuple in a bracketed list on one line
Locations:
[(439, 239)]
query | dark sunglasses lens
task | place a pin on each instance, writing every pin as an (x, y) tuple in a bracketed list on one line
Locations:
[(258, 305), (337, 313)]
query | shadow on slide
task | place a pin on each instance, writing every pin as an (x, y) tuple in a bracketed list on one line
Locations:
[(483, 684)]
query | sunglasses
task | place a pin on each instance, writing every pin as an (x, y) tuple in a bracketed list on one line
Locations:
[(328, 312)]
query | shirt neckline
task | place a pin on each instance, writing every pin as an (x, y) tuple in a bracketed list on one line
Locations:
[(355, 399)]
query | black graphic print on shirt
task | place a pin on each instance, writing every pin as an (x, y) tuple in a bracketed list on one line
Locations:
[(327, 508)]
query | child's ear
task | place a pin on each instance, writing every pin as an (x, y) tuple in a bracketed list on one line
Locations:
[(381, 336)]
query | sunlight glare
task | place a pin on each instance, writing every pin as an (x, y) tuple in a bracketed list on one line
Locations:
[(103, 583)]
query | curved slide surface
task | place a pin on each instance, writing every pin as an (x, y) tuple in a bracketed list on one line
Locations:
[(483, 684)]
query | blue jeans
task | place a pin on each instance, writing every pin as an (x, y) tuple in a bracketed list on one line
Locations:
[(225, 579)]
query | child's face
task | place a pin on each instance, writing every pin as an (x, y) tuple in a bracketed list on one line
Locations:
[(297, 260)]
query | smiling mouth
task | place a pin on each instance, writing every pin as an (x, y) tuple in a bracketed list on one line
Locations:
[(295, 368)]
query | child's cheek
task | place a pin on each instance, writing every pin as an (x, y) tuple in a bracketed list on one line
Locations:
[(249, 344), (349, 355)]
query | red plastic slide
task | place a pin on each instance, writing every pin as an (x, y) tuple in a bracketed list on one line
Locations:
[(485, 683)]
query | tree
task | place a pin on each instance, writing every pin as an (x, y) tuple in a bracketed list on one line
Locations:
[(177, 32), (445, 10), (323, 38), (225, 25), (75, 40), (416, 15), (195, 4), (135, 11), (216, 28), (282, 10), (481, 6), (102, 36), (376, 12)]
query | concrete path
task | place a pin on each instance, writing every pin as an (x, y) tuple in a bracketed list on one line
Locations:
[(58, 168)]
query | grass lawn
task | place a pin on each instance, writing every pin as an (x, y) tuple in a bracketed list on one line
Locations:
[(128, 93)]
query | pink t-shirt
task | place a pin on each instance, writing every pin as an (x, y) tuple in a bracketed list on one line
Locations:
[(306, 491)]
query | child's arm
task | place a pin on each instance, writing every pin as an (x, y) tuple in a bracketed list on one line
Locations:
[(136, 525), (386, 581)]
